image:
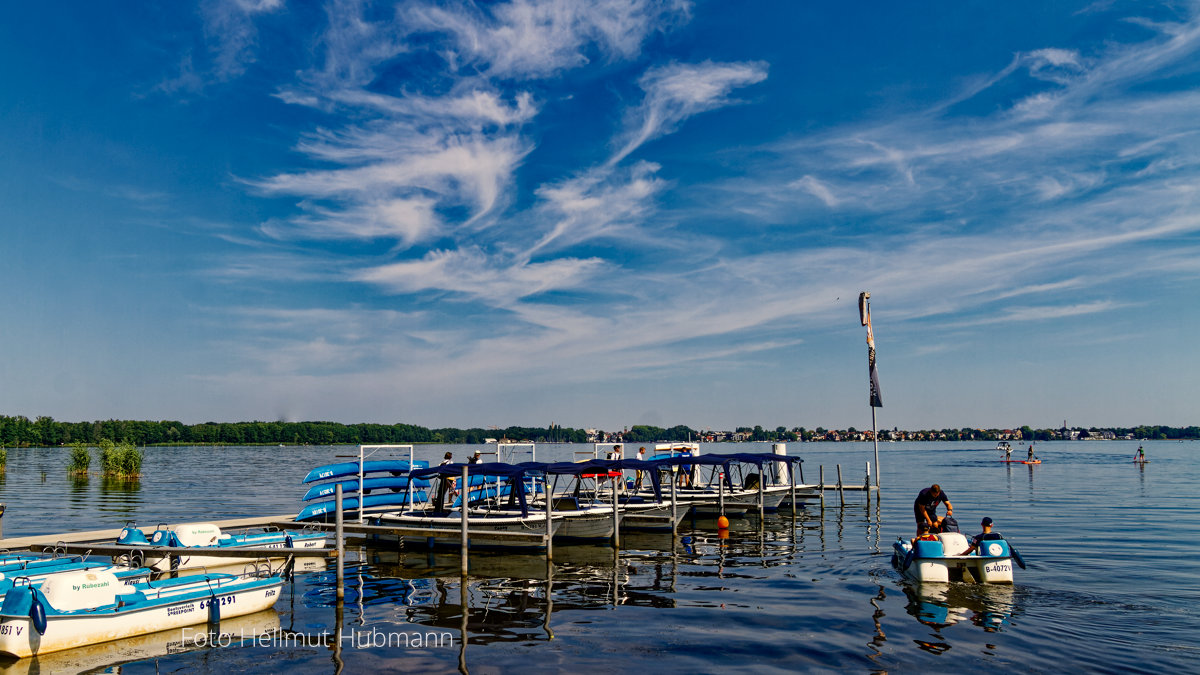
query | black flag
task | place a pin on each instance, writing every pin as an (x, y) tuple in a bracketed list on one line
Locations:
[(864, 315)]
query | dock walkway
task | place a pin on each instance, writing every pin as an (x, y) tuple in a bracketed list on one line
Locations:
[(110, 536)]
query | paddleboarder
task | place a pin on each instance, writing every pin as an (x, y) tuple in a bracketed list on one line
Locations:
[(1140, 456)]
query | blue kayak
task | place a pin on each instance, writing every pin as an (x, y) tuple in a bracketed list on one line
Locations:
[(351, 485), (348, 503), (392, 466)]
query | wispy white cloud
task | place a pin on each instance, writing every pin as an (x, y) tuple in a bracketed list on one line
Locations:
[(229, 25), (678, 91), (230, 35), (539, 38), (965, 216), (475, 274), (604, 202)]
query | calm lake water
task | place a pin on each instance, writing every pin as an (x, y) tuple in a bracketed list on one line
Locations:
[(1111, 585)]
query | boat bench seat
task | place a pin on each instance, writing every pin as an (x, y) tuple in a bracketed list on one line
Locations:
[(954, 543)]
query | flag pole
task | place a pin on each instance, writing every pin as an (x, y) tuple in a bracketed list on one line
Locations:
[(864, 315), (875, 437)]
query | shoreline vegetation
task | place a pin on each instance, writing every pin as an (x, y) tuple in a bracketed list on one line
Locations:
[(126, 435)]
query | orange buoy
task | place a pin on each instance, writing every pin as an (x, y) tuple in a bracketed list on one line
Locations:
[(722, 523)]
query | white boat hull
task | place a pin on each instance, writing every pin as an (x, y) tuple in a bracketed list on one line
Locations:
[(650, 517), (589, 525), (452, 526), (931, 564), (19, 638), (163, 563)]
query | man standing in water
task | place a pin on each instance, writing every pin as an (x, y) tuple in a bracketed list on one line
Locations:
[(925, 507)]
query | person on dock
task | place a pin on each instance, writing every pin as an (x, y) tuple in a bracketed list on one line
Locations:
[(641, 457), (925, 506), (685, 472), (1140, 455), (978, 539)]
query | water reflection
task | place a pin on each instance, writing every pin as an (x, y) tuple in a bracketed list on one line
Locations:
[(988, 606), (233, 631), (79, 496)]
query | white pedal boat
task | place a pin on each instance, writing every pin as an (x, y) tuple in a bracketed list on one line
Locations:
[(943, 560), (208, 535), (89, 607)]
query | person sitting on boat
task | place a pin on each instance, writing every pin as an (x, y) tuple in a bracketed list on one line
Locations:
[(475, 458), (978, 539), (925, 506), (924, 533), (448, 458)]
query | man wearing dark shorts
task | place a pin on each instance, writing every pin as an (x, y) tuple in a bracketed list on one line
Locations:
[(925, 506)]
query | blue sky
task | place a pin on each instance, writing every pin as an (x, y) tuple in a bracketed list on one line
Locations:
[(601, 214)]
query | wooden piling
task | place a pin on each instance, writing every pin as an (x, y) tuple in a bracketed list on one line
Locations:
[(721, 495), (841, 493), (792, 476), (616, 516), (674, 510), (762, 474), (466, 492), (341, 541), (549, 524)]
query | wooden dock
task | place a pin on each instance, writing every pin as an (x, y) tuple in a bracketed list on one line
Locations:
[(110, 536)]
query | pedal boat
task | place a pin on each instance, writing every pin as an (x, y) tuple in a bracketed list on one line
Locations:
[(89, 607), (207, 535), (943, 560)]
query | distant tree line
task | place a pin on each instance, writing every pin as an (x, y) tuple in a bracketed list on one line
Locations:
[(20, 431), (45, 431)]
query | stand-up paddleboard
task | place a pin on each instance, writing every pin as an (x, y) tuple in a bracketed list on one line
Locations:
[(1021, 461), (393, 466), (1141, 461)]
